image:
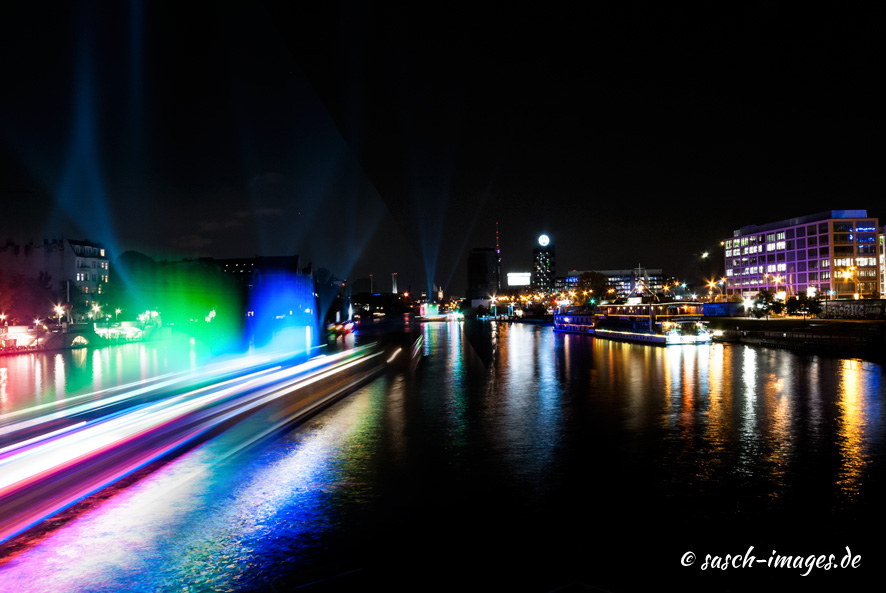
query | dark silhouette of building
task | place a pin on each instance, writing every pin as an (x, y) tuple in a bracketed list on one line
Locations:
[(484, 273)]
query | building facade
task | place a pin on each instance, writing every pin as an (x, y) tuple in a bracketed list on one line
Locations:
[(72, 266), (832, 254), (882, 262), (544, 265), (624, 282), (619, 283)]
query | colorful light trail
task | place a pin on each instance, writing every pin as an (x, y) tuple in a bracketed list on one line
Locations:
[(52, 460)]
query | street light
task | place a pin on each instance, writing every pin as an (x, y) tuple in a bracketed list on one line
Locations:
[(712, 285), (849, 274)]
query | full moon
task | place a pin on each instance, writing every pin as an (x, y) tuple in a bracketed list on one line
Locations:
[(544, 240)]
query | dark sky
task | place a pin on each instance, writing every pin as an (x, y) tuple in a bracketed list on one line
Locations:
[(381, 138)]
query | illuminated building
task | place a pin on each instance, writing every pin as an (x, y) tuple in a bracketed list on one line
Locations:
[(833, 254), (882, 263), (624, 282), (83, 264), (544, 265), (619, 283)]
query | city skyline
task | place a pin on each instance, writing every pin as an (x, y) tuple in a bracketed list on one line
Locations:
[(374, 140)]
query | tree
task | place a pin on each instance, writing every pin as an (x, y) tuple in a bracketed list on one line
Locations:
[(776, 307), (28, 298), (591, 286), (6, 294), (803, 305), (763, 303)]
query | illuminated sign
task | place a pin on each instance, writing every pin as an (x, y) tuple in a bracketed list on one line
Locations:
[(519, 278), (544, 240)]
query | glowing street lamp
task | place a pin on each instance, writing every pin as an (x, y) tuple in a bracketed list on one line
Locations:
[(849, 274), (711, 286)]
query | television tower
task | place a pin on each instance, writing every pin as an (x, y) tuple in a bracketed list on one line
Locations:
[(497, 271)]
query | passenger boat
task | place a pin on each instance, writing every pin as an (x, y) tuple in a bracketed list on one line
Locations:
[(574, 323), (678, 322)]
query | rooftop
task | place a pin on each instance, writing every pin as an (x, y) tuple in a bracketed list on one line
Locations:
[(827, 215)]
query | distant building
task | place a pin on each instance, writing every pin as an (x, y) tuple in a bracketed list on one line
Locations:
[(624, 282), (882, 263), (248, 269), (833, 253), (75, 266), (484, 273), (544, 265)]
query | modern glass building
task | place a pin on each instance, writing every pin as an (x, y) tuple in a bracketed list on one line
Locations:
[(833, 254)]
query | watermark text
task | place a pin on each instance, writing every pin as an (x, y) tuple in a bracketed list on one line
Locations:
[(748, 559)]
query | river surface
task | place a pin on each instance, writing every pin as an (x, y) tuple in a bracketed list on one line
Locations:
[(513, 459)]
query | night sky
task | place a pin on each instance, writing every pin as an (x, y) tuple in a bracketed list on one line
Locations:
[(379, 139)]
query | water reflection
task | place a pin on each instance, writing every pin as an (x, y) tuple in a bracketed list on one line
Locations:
[(858, 421), (508, 438), (211, 520), (41, 377)]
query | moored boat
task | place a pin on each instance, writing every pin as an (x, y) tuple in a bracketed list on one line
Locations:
[(677, 322), (578, 323)]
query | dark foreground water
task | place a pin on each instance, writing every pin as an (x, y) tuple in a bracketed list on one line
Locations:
[(513, 459)]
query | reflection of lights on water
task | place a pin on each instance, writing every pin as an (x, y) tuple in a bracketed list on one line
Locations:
[(59, 375), (38, 377), (852, 426), (204, 520), (195, 411), (96, 370)]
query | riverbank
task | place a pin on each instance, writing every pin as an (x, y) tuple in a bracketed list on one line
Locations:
[(863, 339), (26, 343)]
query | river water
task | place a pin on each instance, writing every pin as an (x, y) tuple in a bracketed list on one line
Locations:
[(513, 459)]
